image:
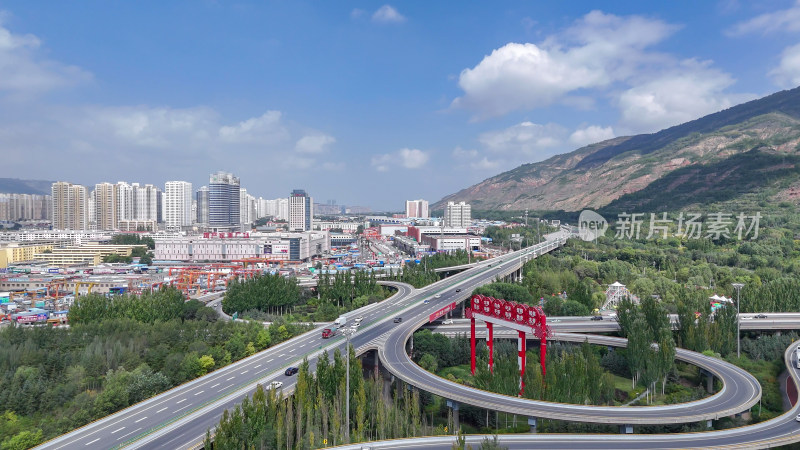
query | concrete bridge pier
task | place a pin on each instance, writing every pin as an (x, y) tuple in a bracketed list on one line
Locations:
[(532, 424), (453, 405), (709, 380), (709, 424), (626, 429)]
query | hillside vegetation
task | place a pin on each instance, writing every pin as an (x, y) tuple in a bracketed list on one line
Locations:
[(751, 148)]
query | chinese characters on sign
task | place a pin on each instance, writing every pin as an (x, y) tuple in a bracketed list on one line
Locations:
[(712, 226)]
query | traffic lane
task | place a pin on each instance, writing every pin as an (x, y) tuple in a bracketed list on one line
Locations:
[(187, 437), (412, 297), (201, 391)]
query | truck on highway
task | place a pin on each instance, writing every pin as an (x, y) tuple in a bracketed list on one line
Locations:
[(327, 332), (340, 321)]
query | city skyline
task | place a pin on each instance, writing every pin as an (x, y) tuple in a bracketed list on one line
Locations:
[(331, 96)]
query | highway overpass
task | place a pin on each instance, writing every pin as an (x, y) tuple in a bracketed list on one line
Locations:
[(180, 417)]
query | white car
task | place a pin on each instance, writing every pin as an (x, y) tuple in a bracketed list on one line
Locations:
[(275, 385), (359, 319), (447, 322), (798, 418), (437, 296)]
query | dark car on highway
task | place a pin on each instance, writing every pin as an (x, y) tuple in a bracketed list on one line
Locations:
[(398, 319), (291, 371)]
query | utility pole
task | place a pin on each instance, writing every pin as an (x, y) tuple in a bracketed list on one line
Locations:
[(738, 287)]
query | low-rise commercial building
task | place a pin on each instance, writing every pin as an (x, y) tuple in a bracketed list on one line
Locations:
[(221, 248), (13, 253), (88, 254), (450, 243)]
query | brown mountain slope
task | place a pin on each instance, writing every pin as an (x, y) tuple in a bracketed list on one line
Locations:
[(596, 175)]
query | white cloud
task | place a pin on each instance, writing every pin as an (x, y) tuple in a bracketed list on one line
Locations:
[(23, 71), (387, 14), (266, 128), (590, 135), (412, 158), (596, 51), (408, 158), (485, 164), (356, 13), (459, 153), (314, 143), (782, 20), (525, 140), (691, 90), (787, 74)]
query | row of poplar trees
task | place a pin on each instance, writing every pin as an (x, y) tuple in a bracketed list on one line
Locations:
[(314, 416)]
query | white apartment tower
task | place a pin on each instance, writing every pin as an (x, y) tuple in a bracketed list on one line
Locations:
[(148, 203), (177, 205), (301, 210), (457, 215), (417, 209), (70, 206)]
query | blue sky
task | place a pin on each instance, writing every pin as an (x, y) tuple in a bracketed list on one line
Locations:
[(367, 103)]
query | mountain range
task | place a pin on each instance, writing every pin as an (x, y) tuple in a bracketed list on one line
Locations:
[(752, 149), (17, 186)]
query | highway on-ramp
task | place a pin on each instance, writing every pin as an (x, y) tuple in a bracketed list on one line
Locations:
[(782, 430)]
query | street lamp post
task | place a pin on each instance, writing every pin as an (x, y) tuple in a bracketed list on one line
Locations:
[(347, 333), (738, 287)]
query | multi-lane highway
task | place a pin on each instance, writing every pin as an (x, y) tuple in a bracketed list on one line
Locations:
[(180, 417)]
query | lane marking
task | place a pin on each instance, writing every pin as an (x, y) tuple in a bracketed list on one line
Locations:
[(270, 360), (145, 417), (229, 379), (215, 385), (242, 373), (134, 431), (226, 387), (180, 401), (198, 393), (162, 409), (90, 443), (182, 408), (118, 429), (256, 367)]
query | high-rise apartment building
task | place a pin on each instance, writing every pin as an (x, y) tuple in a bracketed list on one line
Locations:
[(300, 211), (106, 206), (148, 201), (457, 215), (25, 207), (201, 205), (177, 205), (417, 209), (247, 208), (126, 201), (70, 206), (223, 201)]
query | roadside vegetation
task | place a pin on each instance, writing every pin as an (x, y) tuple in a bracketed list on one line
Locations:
[(314, 416), (116, 352), (272, 297), (423, 273)]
